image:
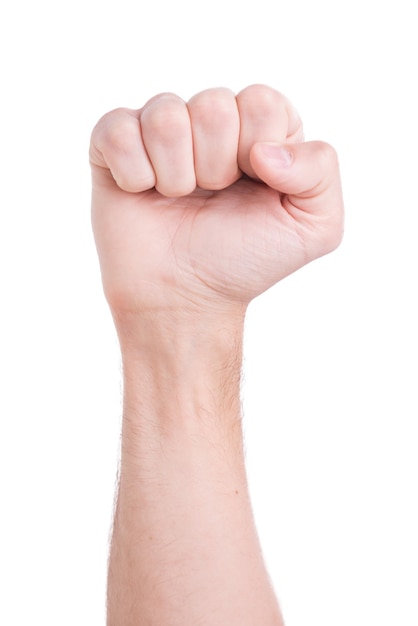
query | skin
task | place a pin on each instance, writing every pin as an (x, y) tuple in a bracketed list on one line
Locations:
[(197, 208)]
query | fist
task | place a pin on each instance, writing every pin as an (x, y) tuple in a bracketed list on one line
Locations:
[(208, 203)]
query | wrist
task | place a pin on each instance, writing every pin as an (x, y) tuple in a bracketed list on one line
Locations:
[(181, 392), (178, 368), (178, 340)]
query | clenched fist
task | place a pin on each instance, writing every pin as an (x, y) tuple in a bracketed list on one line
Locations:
[(203, 205)]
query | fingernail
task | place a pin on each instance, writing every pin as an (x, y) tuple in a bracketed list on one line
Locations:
[(280, 155)]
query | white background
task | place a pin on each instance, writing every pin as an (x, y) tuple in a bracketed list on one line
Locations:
[(330, 391)]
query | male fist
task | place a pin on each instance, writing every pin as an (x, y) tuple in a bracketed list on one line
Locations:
[(206, 204)]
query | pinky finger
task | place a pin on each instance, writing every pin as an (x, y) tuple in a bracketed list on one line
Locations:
[(116, 145)]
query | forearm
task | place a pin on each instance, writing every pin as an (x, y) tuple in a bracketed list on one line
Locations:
[(185, 550)]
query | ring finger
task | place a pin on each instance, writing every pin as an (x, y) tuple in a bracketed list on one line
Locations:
[(167, 136)]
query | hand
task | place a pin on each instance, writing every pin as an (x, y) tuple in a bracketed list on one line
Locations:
[(204, 205)]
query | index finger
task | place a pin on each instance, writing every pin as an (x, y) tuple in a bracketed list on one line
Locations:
[(266, 115)]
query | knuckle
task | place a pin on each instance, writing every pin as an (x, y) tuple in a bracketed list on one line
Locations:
[(215, 105), (326, 154), (115, 131), (164, 115), (263, 97), (160, 97)]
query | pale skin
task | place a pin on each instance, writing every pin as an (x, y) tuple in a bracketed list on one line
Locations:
[(197, 207)]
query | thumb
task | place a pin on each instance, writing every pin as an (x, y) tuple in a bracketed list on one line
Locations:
[(307, 173), (307, 177)]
